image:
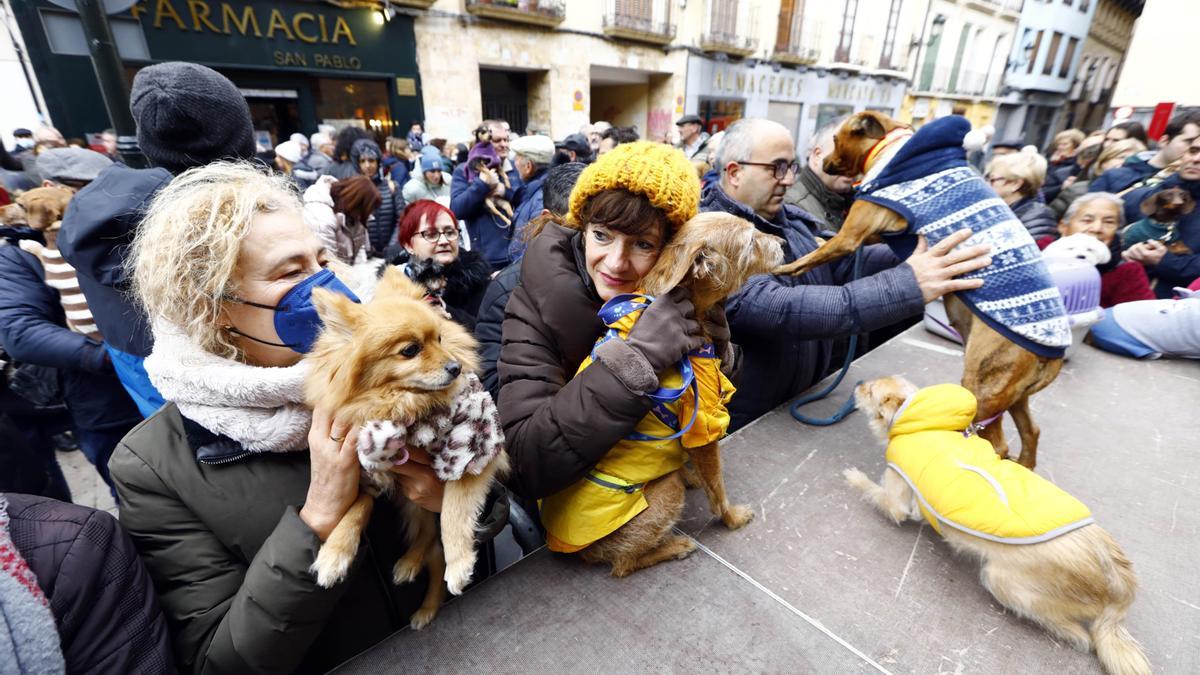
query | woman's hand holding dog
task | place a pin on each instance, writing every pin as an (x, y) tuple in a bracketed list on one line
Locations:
[(418, 482), (333, 485), (667, 330), (937, 268)]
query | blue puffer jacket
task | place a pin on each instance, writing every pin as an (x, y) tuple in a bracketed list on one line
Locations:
[(1174, 269), (529, 206), (1133, 170), (33, 329), (489, 234), (786, 325)]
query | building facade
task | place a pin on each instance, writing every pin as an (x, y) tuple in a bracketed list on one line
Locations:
[(299, 64), (1042, 67), (1156, 69), (961, 52), (1100, 64)]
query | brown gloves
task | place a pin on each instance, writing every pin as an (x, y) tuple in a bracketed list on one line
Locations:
[(666, 331)]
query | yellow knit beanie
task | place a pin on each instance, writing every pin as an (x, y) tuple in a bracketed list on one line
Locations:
[(656, 171)]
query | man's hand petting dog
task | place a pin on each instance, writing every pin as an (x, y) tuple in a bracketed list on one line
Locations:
[(418, 482), (667, 330), (1149, 252), (333, 486), (937, 268)]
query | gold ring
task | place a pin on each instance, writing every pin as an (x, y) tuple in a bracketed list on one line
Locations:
[(337, 440)]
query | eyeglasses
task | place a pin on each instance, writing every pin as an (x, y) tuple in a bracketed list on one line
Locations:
[(781, 166), (432, 236)]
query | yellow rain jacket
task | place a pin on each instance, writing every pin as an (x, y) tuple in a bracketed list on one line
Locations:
[(961, 482), (611, 494)]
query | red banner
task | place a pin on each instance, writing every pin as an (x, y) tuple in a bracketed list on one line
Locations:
[(1158, 123)]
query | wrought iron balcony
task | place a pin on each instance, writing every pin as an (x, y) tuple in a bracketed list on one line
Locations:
[(796, 55), (536, 12), (727, 43), (639, 28)]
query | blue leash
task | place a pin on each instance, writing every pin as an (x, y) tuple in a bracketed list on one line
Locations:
[(848, 406)]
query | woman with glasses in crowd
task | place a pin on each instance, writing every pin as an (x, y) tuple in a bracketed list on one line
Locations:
[(429, 252)]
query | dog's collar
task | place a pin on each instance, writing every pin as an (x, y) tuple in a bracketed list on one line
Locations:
[(890, 138)]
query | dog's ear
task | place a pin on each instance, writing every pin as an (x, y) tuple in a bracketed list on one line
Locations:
[(867, 124), (339, 313), (673, 266), (396, 283), (1149, 205)]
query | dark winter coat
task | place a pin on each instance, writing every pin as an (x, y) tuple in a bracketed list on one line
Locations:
[(811, 196), (488, 233), (1174, 269), (1056, 176), (107, 614), (528, 206), (33, 329), (381, 229), (786, 325), (489, 323), (97, 230), (220, 532), (466, 281), (1136, 168), (1036, 217), (558, 424)]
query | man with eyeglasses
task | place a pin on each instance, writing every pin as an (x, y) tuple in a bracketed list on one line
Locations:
[(786, 326)]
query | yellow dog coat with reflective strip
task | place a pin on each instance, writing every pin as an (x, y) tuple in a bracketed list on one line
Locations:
[(961, 482), (610, 495)]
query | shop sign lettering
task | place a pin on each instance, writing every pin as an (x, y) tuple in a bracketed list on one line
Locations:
[(783, 86), (302, 60), (224, 18)]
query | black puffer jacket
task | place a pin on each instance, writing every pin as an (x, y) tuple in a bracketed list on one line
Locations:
[(1036, 217), (466, 281), (489, 323), (382, 228), (103, 602)]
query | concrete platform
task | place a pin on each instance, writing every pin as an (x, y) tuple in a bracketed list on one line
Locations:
[(820, 582)]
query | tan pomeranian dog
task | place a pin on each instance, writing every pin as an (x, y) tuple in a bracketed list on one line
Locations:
[(713, 254), (1043, 556), (404, 374)]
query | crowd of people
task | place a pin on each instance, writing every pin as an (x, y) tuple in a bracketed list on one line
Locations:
[(154, 314)]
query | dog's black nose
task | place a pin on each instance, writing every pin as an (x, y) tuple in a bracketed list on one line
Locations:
[(453, 368)]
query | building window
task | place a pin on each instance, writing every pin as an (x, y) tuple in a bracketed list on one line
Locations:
[(889, 36), (724, 17), (847, 36), (1067, 2), (1033, 52), (1083, 5), (635, 9), (931, 51), (1052, 53), (1072, 44), (787, 36)]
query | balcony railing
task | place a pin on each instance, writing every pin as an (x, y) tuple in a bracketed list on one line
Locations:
[(727, 43), (795, 54), (1009, 6), (968, 83), (641, 29), (536, 12)]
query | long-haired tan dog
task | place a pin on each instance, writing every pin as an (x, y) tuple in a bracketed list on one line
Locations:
[(713, 255), (1073, 579), (397, 359)]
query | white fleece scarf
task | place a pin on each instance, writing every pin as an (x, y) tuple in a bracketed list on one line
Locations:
[(260, 408)]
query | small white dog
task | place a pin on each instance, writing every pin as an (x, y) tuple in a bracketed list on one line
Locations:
[(1079, 246), (1043, 556)]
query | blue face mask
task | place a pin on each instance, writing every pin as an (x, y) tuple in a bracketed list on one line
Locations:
[(296, 320)]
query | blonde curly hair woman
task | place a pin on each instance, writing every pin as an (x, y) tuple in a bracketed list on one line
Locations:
[(1016, 178), (229, 489)]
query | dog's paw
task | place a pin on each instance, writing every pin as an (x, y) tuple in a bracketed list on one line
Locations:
[(857, 478), (405, 571), (331, 566), (738, 515), (458, 574), (422, 618)]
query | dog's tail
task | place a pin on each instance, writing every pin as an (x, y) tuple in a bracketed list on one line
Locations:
[(1118, 651)]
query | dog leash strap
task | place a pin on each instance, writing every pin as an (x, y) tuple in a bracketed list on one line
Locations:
[(638, 436)]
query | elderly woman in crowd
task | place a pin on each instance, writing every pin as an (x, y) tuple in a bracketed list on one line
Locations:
[(1017, 177), (1101, 215), (1111, 156), (229, 490), (559, 424), (429, 252), (338, 212)]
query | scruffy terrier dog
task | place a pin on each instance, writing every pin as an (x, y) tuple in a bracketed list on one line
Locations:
[(713, 255), (405, 374), (1043, 556)]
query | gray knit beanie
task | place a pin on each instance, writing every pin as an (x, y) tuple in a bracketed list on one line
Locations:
[(188, 115)]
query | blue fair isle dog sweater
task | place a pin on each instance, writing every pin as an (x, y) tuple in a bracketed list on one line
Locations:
[(929, 182)]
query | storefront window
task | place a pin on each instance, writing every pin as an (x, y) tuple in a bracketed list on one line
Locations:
[(338, 100), (787, 114), (719, 114), (828, 112)]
